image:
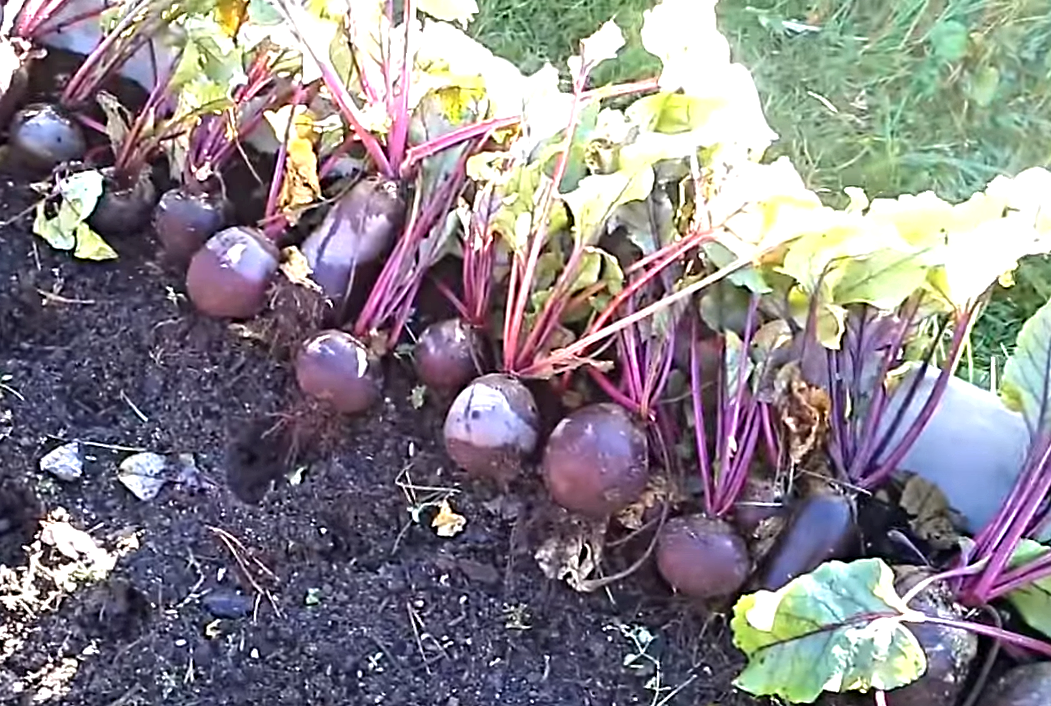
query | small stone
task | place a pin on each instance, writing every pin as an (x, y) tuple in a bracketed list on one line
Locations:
[(65, 462), (227, 604), (143, 474)]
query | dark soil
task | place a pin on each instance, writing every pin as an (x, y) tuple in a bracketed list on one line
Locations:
[(367, 607)]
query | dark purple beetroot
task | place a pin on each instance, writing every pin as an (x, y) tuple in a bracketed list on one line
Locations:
[(491, 427), (1027, 685), (701, 557), (337, 369), (596, 461), (42, 136), (124, 209), (358, 229), (229, 276), (822, 527), (184, 220), (449, 354), (950, 651)]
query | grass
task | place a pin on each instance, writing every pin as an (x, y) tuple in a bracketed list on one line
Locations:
[(895, 96)]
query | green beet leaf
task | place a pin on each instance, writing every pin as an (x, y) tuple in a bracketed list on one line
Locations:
[(1033, 602), (596, 196), (1024, 387), (840, 628)]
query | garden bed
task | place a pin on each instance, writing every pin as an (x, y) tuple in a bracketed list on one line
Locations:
[(86, 345), (477, 390)]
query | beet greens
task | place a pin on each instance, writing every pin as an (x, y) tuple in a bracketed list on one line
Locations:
[(423, 149)]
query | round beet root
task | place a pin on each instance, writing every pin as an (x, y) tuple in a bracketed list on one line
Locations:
[(124, 209), (449, 354), (1027, 685), (702, 558), (336, 368), (229, 276), (596, 461), (184, 220), (43, 136), (950, 651), (357, 230), (491, 427)]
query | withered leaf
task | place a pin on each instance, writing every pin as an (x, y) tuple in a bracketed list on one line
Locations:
[(804, 412)]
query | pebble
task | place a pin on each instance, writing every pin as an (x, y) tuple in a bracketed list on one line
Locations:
[(143, 474), (227, 604), (65, 462)]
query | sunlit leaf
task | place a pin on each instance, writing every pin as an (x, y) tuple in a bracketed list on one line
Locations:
[(442, 44), (601, 46), (461, 11), (300, 185), (883, 279), (683, 34), (230, 15), (597, 195)]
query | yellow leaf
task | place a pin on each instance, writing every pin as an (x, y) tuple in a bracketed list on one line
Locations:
[(231, 14), (300, 186), (447, 523), (90, 246)]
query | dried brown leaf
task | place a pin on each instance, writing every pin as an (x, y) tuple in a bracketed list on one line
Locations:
[(930, 515), (574, 553), (804, 412), (659, 491)]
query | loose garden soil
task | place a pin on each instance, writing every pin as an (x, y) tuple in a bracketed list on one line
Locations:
[(367, 606)]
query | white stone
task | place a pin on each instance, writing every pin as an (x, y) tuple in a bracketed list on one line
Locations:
[(65, 462), (144, 474)]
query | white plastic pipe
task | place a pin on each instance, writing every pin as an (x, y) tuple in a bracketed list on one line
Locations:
[(973, 447)]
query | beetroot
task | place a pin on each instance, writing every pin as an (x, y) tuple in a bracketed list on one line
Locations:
[(229, 276), (596, 461), (357, 230), (821, 528), (1028, 685), (702, 557), (124, 209), (336, 368), (950, 651), (43, 136), (449, 354), (492, 426), (184, 220)]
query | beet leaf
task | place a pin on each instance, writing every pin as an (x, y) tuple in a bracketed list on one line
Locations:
[(61, 219), (841, 628), (868, 281)]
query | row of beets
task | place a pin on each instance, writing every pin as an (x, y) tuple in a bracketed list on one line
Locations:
[(597, 460), (595, 463)]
